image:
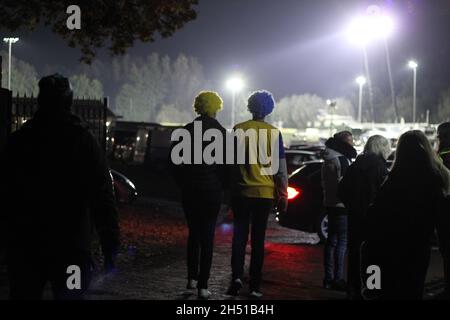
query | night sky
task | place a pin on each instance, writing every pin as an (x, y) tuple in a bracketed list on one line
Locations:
[(286, 46)]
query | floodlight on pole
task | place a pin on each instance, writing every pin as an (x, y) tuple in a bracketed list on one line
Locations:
[(10, 42), (235, 85), (361, 81), (374, 25), (413, 65), (384, 26), (364, 29), (359, 34)]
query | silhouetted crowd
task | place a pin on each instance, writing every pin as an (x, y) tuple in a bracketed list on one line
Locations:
[(57, 190), (386, 217)]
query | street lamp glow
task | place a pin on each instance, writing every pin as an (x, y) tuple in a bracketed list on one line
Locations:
[(10, 42), (384, 27), (357, 31), (235, 84), (361, 80), (413, 64)]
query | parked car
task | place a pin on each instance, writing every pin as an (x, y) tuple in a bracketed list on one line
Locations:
[(305, 211), (124, 190), (296, 158)]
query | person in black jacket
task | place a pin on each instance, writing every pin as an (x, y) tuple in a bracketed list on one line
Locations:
[(202, 183), (55, 181), (357, 190), (443, 135), (403, 217), (337, 156)]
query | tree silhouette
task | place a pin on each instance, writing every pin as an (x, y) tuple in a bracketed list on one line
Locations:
[(24, 78), (84, 87), (117, 24)]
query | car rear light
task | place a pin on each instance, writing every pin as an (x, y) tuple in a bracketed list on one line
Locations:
[(293, 193)]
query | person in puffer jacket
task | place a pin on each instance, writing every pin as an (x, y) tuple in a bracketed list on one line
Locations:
[(338, 155)]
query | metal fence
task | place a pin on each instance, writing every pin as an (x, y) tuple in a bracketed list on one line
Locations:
[(15, 111)]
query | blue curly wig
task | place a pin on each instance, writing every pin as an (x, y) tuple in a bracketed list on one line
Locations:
[(261, 104)]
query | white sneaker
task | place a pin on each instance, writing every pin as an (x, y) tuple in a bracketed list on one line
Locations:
[(204, 294), (255, 295), (192, 284)]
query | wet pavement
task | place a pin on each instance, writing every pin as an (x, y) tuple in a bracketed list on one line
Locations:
[(292, 270), (152, 265)]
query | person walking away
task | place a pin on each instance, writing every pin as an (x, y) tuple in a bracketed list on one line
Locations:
[(254, 191), (55, 181), (403, 217), (357, 190), (202, 188), (443, 135), (338, 155)]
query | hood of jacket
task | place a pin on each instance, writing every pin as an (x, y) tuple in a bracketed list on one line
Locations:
[(329, 154), (336, 148)]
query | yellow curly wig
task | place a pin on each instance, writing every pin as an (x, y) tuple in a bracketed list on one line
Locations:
[(208, 103)]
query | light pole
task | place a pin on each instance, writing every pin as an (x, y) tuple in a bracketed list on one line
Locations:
[(10, 41), (361, 81), (385, 27), (234, 85), (391, 80), (360, 32), (332, 105), (369, 83), (413, 65)]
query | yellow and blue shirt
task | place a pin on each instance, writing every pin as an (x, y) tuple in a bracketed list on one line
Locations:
[(248, 181)]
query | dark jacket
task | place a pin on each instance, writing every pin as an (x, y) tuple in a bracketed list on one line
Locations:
[(57, 183), (337, 156), (401, 222), (445, 156), (201, 179), (444, 226), (360, 184)]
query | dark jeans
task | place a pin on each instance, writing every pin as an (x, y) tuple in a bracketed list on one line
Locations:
[(355, 239), (254, 211), (29, 275), (201, 216), (336, 246)]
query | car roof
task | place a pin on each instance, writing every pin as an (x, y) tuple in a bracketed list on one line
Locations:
[(289, 151), (313, 165), (306, 146)]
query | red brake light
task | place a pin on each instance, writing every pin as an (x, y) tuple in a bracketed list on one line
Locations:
[(293, 193)]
